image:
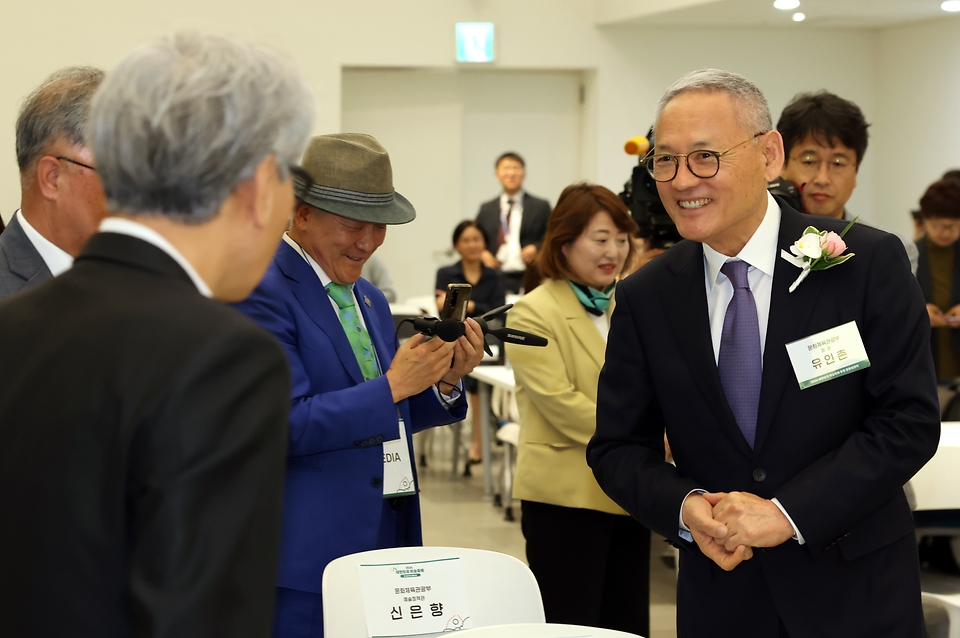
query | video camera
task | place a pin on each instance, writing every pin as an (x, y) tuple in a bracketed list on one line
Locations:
[(641, 197)]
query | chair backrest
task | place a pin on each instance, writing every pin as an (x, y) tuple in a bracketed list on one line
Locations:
[(503, 402), (499, 588)]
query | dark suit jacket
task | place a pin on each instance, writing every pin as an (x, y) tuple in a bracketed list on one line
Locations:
[(835, 455), (144, 431), (533, 226), (21, 266), (333, 504), (926, 285)]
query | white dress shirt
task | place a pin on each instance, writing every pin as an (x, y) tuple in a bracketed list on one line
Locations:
[(57, 260), (509, 253), (761, 253), (124, 226)]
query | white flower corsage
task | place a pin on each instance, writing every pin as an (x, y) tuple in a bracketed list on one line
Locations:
[(817, 250)]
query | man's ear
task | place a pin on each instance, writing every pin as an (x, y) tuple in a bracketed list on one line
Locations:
[(773, 154), (301, 214), (262, 191), (47, 176)]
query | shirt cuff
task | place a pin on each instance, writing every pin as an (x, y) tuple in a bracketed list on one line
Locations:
[(797, 536), (684, 530), (455, 392)]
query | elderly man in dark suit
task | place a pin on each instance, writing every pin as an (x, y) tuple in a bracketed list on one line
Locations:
[(795, 411), (61, 199), (514, 223), (144, 422)]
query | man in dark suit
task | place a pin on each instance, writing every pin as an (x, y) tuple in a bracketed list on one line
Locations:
[(787, 503), (61, 199), (515, 222), (144, 423), (358, 396)]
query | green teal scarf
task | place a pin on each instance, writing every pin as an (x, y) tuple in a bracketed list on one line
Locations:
[(595, 302)]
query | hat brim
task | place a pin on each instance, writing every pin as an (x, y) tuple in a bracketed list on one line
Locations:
[(398, 210)]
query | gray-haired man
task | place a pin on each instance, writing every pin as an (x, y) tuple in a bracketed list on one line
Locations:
[(61, 202), (795, 414), (143, 423)]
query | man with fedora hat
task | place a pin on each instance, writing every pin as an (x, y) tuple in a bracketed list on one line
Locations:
[(357, 396)]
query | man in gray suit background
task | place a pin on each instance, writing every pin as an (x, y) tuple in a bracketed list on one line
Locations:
[(61, 201)]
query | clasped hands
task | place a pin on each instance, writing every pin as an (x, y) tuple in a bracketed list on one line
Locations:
[(727, 526)]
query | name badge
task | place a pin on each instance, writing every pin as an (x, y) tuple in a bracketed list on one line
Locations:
[(827, 355), (411, 599), (397, 470)]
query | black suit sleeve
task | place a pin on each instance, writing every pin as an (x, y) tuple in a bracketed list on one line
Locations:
[(627, 452), (488, 218), (536, 214), (205, 504)]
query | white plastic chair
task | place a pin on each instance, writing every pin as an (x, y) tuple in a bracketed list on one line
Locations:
[(499, 588), (504, 405), (949, 603)]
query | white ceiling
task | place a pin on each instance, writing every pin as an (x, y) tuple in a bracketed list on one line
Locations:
[(819, 13)]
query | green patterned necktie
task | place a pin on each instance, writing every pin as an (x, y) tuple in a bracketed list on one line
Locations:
[(356, 334)]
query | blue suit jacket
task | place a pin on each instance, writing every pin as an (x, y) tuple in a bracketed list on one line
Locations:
[(333, 504)]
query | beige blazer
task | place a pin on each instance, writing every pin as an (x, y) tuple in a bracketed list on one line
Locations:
[(557, 397)]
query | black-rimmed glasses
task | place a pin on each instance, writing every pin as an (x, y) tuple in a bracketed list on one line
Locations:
[(73, 161), (703, 164)]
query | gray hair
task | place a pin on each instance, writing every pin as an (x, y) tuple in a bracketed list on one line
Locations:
[(753, 114), (56, 111), (180, 123)]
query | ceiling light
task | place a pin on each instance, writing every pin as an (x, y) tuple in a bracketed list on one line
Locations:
[(786, 5), (951, 5), (799, 17)]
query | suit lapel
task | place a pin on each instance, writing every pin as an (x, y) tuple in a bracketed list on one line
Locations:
[(22, 257), (308, 290), (580, 322), (789, 317), (684, 299)]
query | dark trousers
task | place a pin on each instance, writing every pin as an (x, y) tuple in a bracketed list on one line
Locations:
[(593, 568)]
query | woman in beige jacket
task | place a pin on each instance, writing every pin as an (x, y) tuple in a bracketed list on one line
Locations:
[(590, 558)]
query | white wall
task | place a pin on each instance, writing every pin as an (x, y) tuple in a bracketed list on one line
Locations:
[(917, 125), (443, 129), (782, 62), (905, 78)]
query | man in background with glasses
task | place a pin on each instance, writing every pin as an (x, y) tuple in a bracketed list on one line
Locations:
[(61, 202), (824, 140), (787, 503)]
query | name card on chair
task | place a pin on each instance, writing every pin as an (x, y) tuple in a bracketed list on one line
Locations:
[(411, 599)]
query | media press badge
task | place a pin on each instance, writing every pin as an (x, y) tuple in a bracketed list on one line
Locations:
[(397, 470), (410, 599), (827, 355)]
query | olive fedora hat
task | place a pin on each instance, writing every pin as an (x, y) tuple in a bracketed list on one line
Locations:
[(350, 175)]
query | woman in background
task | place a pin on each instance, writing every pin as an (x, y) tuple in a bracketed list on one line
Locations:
[(488, 293), (591, 559)]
